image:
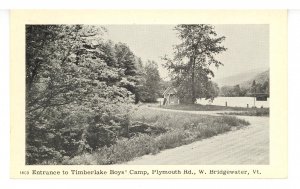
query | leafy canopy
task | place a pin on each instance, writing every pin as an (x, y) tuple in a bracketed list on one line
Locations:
[(191, 64), (78, 91)]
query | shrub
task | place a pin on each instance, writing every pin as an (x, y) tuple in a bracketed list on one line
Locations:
[(187, 128), (99, 135), (123, 150), (170, 140)]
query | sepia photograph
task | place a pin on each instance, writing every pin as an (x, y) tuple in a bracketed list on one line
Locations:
[(147, 94)]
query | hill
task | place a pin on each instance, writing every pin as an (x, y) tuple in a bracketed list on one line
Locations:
[(246, 88), (244, 79), (259, 78)]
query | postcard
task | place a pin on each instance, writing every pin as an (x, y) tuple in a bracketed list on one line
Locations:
[(148, 94)]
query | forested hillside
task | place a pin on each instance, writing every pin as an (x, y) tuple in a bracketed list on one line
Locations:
[(257, 84)]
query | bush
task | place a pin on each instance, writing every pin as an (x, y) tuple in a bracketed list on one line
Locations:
[(123, 150), (100, 135), (187, 128)]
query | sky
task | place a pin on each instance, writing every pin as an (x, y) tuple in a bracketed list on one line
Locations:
[(247, 45)]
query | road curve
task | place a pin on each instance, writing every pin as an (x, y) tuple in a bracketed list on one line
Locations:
[(247, 146)]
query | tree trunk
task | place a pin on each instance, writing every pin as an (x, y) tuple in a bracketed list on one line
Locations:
[(193, 100)]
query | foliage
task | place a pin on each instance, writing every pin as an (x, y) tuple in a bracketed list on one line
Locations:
[(78, 91), (182, 128), (150, 90), (255, 88), (192, 59), (259, 87)]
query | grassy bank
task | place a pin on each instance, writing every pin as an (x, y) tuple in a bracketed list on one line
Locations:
[(237, 110), (199, 107), (179, 129), (251, 112)]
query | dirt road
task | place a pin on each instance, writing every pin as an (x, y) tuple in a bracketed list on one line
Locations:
[(249, 145)]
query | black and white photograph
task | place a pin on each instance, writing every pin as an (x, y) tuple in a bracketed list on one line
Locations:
[(147, 94), (144, 94)]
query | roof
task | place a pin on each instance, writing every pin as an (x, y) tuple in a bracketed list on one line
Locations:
[(170, 90)]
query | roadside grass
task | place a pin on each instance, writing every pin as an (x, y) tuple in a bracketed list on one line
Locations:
[(200, 107), (237, 110), (182, 128), (253, 112)]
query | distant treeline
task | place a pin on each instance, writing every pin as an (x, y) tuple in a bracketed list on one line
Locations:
[(255, 88)]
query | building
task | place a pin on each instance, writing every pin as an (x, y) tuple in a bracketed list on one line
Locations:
[(170, 96), (261, 96)]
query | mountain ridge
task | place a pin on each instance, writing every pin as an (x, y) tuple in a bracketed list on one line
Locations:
[(244, 79)]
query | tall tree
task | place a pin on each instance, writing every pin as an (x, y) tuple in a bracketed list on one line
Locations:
[(253, 88), (212, 90), (237, 90), (193, 57), (151, 86), (130, 64), (266, 87)]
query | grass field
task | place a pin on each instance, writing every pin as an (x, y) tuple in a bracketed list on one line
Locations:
[(179, 129)]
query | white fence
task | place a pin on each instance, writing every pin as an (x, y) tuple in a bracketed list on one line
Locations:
[(235, 102)]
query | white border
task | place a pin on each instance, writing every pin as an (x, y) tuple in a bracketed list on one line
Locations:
[(4, 95), (150, 4), (294, 131)]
